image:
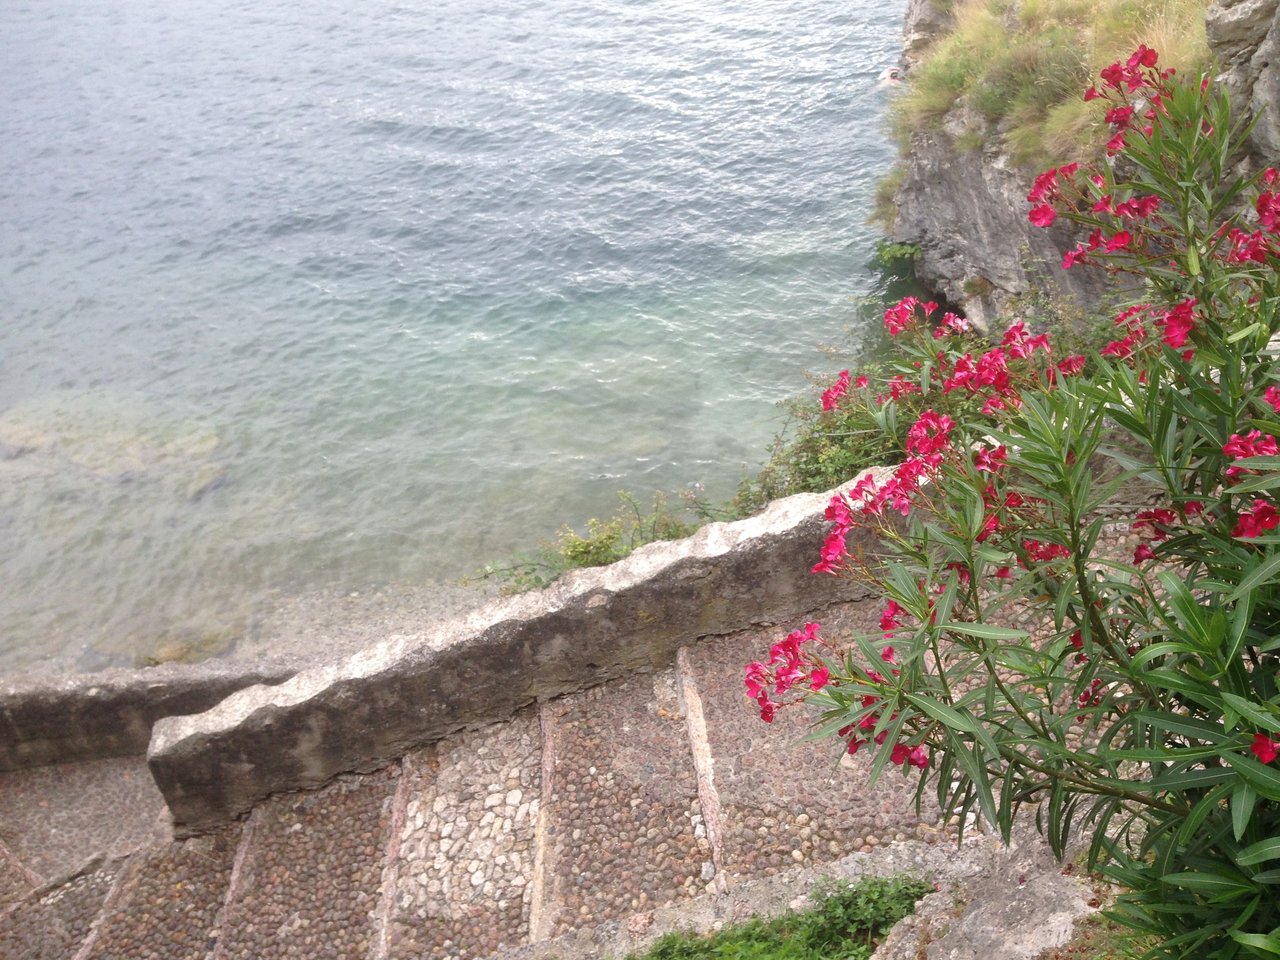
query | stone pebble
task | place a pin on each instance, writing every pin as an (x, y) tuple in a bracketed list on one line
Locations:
[(312, 874), (464, 882), (169, 910), (52, 924)]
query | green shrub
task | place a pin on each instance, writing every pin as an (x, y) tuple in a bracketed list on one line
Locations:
[(846, 923)]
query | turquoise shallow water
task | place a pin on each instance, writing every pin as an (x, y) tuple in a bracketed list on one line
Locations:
[(329, 296)]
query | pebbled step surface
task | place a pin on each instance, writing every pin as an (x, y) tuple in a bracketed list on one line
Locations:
[(15, 881), (311, 871), (624, 820), (786, 802), (52, 922), (169, 905), (464, 884), (56, 818)]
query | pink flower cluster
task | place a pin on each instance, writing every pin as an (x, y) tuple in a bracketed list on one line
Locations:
[(1253, 444), (901, 316), (831, 396), (1260, 518), (788, 665), (927, 441), (916, 756)]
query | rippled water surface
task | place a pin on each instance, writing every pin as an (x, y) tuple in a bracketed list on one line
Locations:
[(332, 296)]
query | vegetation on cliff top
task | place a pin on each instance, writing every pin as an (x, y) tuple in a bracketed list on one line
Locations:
[(1020, 66)]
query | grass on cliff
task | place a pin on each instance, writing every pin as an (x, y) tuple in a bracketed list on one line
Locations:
[(846, 923), (1021, 66)]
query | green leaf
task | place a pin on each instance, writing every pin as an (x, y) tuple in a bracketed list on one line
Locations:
[(1263, 572), (1214, 885), (1262, 778), (1268, 849), (942, 713), (983, 631), (1192, 728), (1267, 942), (1243, 800)]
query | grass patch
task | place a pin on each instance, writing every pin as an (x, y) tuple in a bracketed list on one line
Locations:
[(1021, 64), (599, 543), (846, 923)]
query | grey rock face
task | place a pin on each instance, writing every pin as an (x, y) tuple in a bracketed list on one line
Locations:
[(966, 208), (1244, 36), (925, 21), (967, 211)]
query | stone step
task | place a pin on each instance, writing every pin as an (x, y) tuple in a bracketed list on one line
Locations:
[(169, 903), (578, 817), (307, 876), (52, 922), (55, 818), (462, 877), (625, 830)]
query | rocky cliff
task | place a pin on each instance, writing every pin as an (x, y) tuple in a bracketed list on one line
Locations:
[(966, 208)]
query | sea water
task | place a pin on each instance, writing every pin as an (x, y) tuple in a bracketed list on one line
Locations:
[(335, 297)]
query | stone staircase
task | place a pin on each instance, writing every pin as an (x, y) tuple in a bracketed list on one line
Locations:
[(583, 826)]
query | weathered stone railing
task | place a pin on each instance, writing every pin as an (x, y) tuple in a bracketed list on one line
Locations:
[(59, 719), (593, 625)]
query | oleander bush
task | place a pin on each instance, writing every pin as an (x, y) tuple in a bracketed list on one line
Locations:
[(1131, 701)]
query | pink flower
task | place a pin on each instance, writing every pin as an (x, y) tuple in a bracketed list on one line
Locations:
[(1144, 56), (1120, 116), (833, 393), (1268, 208), (1264, 748), (1272, 396), (1044, 552), (889, 619), (860, 383), (887, 656), (1072, 257), (1178, 323), (1159, 521), (901, 315), (1042, 216), (929, 434), (1259, 519), (1247, 247), (990, 461), (1044, 187), (819, 677), (900, 753), (1121, 240), (1143, 552), (1253, 444), (1003, 573), (1071, 365)]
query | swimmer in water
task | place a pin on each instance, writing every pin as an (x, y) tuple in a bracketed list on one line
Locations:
[(890, 77)]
